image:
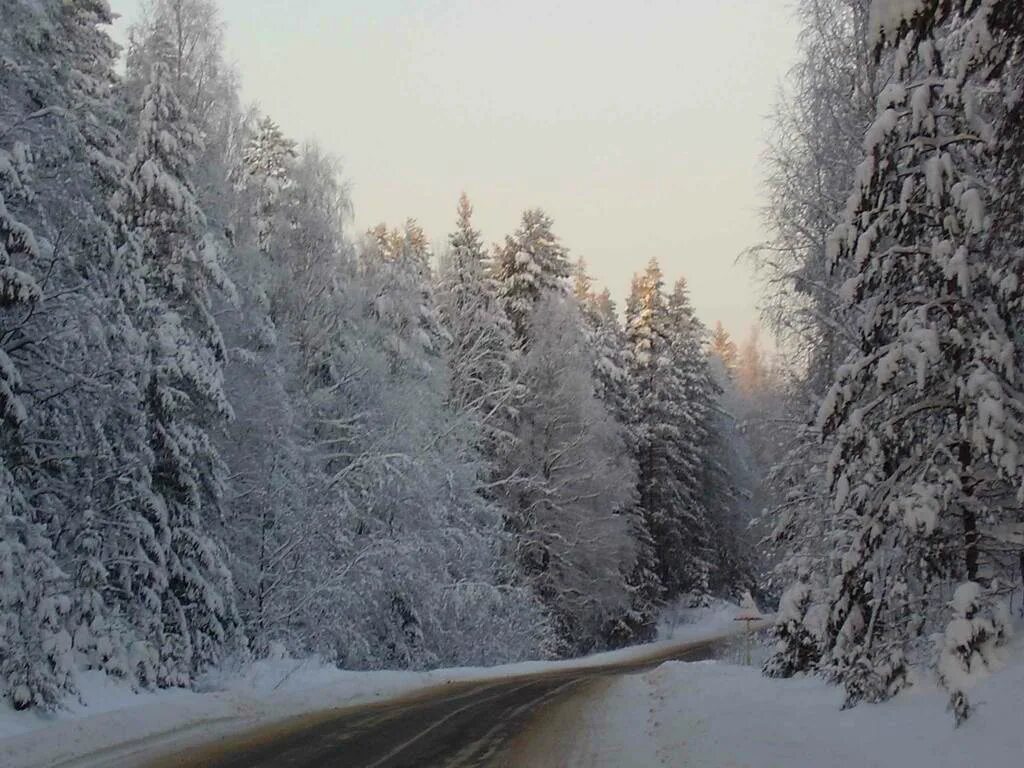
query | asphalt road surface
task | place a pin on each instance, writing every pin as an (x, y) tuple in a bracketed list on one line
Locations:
[(458, 725)]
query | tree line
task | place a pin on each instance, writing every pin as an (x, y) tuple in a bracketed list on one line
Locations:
[(232, 428)]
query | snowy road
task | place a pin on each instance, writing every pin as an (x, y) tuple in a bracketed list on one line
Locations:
[(457, 725)]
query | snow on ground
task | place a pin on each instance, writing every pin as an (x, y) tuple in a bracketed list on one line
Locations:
[(113, 721), (680, 622), (705, 714)]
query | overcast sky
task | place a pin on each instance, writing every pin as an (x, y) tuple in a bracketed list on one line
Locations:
[(638, 126)]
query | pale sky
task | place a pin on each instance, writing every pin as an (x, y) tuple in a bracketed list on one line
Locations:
[(638, 126)]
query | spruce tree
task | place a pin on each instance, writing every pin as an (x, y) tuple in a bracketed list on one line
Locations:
[(183, 396), (572, 474), (704, 479), (481, 357), (77, 351), (617, 390), (925, 413), (724, 348), (34, 642), (266, 159), (531, 263), (668, 469)]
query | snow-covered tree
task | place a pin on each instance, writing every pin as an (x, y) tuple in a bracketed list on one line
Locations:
[(267, 158), (76, 351), (267, 446), (481, 359), (797, 631), (34, 642), (724, 348), (35, 645), (608, 338), (925, 412), (617, 390), (187, 36), (183, 395), (817, 130), (571, 475), (969, 646), (669, 467), (721, 486), (531, 263), (397, 263), (574, 546)]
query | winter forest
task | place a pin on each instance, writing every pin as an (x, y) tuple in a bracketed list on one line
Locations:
[(234, 427)]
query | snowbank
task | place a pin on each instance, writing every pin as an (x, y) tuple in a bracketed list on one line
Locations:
[(714, 714), (112, 724)]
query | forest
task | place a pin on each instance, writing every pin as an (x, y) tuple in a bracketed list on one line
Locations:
[(233, 427)]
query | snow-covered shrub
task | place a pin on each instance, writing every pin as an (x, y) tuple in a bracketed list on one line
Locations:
[(969, 646), (797, 633)]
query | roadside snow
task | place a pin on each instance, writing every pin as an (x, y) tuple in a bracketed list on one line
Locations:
[(705, 714), (112, 724), (680, 623)]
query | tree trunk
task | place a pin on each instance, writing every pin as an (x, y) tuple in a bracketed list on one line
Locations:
[(970, 521)]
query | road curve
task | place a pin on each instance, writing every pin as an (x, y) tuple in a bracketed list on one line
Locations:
[(458, 725)]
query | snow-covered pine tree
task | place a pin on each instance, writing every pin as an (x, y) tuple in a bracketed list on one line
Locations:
[(969, 646), (724, 348), (797, 637), (397, 263), (266, 160), (34, 642), (35, 645), (570, 458), (183, 396), (481, 360), (531, 263), (574, 547), (77, 352), (817, 133), (700, 473), (611, 371), (616, 389), (667, 474), (925, 413), (188, 37), (721, 486)]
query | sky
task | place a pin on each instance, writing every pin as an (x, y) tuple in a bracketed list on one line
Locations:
[(638, 126)]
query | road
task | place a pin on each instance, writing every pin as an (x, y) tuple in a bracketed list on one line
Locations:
[(458, 725)]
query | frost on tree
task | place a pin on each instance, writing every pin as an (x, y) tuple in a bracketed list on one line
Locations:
[(267, 158), (797, 631), (183, 396), (74, 352), (529, 264), (35, 646), (481, 360), (969, 646), (396, 263), (569, 463), (616, 388), (926, 413), (573, 547), (814, 145), (667, 422)]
